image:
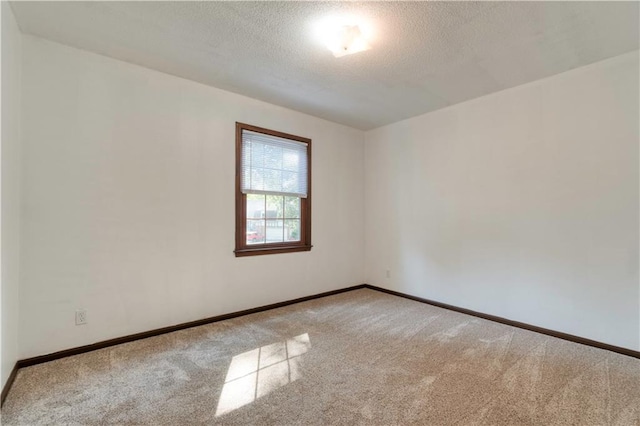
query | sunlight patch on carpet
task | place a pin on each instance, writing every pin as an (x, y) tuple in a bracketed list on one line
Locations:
[(258, 372)]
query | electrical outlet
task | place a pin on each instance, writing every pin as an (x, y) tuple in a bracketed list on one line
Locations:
[(81, 317)]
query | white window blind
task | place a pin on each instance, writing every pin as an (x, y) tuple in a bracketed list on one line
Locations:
[(273, 165)]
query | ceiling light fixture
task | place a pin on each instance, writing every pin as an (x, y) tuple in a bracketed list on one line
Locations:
[(344, 36), (346, 40)]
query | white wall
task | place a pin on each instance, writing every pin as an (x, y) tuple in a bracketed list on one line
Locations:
[(521, 204), (11, 162), (129, 201)]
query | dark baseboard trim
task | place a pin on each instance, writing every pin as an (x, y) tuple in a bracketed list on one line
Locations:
[(7, 386), (145, 334), (548, 332)]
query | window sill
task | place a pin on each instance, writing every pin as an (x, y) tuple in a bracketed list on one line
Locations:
[(257, 251)]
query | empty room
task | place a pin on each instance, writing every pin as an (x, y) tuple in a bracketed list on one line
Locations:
[(319, 213)]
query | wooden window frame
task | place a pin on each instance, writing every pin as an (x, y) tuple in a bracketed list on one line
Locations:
[(244, 249)]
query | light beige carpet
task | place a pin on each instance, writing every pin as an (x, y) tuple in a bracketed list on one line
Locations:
[(361, 357)]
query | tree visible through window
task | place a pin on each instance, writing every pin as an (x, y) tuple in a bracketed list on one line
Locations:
[(273, 191)]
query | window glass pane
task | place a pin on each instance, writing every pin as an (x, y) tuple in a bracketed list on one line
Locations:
[(252, 160), (291, 160), (274, 231), (272, 180), (272, 157), (257, 154), (292, 229), (290, 182), (255, 231), (291, 207), (257, 179), (275, 207), (255, 206)]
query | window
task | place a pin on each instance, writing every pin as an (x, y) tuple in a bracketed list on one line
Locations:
[(273, 192)]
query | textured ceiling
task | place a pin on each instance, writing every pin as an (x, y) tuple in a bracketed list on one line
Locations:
[(425, 55)]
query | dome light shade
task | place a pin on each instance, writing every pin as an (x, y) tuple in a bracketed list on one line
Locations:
[(344, 35), (347, 39)]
